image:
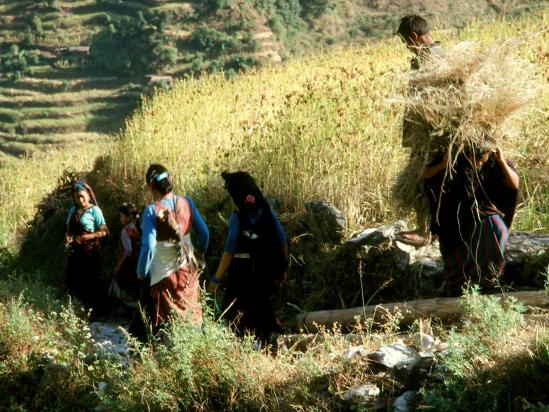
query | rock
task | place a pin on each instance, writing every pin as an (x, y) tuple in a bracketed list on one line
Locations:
[(377, 235), (427, 260), (522, 245), (439, 373), (396, 355), (326, 222), (363, 392), (355, 351), (404, 402), (110, 341)]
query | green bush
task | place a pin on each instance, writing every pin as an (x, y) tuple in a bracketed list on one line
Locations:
[(212, 41), (493, 362), (36, 26), (240, 63), (133, 46), (215, 5), (16, 62), (315, 8)]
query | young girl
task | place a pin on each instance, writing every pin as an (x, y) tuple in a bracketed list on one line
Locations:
[(126, 284), (255, 258)]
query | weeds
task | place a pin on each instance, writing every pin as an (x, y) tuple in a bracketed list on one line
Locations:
[(494, 359)]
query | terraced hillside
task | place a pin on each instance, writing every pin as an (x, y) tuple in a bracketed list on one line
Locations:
[(62, 98)]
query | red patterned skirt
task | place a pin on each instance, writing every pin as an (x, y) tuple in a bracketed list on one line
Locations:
[(179, 292)]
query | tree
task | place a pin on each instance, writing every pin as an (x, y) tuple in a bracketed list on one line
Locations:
[(16, 62), (133, 46)]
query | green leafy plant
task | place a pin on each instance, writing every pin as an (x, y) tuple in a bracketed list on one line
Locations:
[(133, 46)]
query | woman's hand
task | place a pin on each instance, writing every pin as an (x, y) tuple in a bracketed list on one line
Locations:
[(84, 238), (499, 155), (510, 177), (212, 287)]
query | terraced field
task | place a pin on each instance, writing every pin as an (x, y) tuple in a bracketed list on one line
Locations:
[(60, 102), (63, 100)]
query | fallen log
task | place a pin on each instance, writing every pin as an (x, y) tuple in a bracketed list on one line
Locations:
[(442, 308)]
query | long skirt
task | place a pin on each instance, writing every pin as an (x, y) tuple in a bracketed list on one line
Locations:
[(247, 302), (179, 293), (83, 279), (126, 278), (480, 260)]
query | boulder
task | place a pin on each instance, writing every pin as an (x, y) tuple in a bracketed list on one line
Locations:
[(363, 392), (396, 355), (326, 222), (404, 403), (522, 247), (355, 351)]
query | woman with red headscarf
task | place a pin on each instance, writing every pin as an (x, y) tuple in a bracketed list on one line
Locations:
[(86, 230), (255, 259)]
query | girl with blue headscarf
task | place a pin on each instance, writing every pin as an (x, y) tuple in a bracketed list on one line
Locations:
[(86, 232)]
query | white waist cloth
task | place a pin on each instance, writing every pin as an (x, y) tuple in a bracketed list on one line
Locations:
[(165, 261), (171, 256)]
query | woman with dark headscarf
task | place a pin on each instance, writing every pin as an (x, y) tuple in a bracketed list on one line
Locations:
[(255, 258), (86, 231), (168, 259)]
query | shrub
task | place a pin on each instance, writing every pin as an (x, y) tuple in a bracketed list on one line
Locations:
[(315, 8), (36, 25), (15, 63), (212, 41), (133, 46), (240, 63), (215, 5), (494, 361)]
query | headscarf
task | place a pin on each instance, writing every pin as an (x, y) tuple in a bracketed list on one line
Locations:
[(82, 185), (244, 191)]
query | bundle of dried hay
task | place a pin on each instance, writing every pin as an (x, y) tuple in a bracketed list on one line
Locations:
[(467, 98), (470, 97)]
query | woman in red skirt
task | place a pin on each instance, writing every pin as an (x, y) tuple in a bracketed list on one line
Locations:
[(169, 259)]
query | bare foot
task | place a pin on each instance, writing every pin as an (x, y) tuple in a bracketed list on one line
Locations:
[(413, 238)]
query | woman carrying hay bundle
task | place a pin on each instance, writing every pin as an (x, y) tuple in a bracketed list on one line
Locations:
[(168, 259), (255, 258), (86, 231), (469, 100), (473, 206)]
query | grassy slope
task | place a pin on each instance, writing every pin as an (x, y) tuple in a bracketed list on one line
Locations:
[(270, 122), (58, 83), (316, 128)]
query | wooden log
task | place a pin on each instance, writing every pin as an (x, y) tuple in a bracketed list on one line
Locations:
[(442, 308), (302, 342)]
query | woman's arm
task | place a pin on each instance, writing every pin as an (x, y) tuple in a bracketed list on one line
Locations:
[(200, 228), (510, 176), (433, 170), (102, 232), (148, 242)]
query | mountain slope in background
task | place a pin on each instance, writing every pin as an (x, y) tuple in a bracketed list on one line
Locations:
[(62, 98)]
